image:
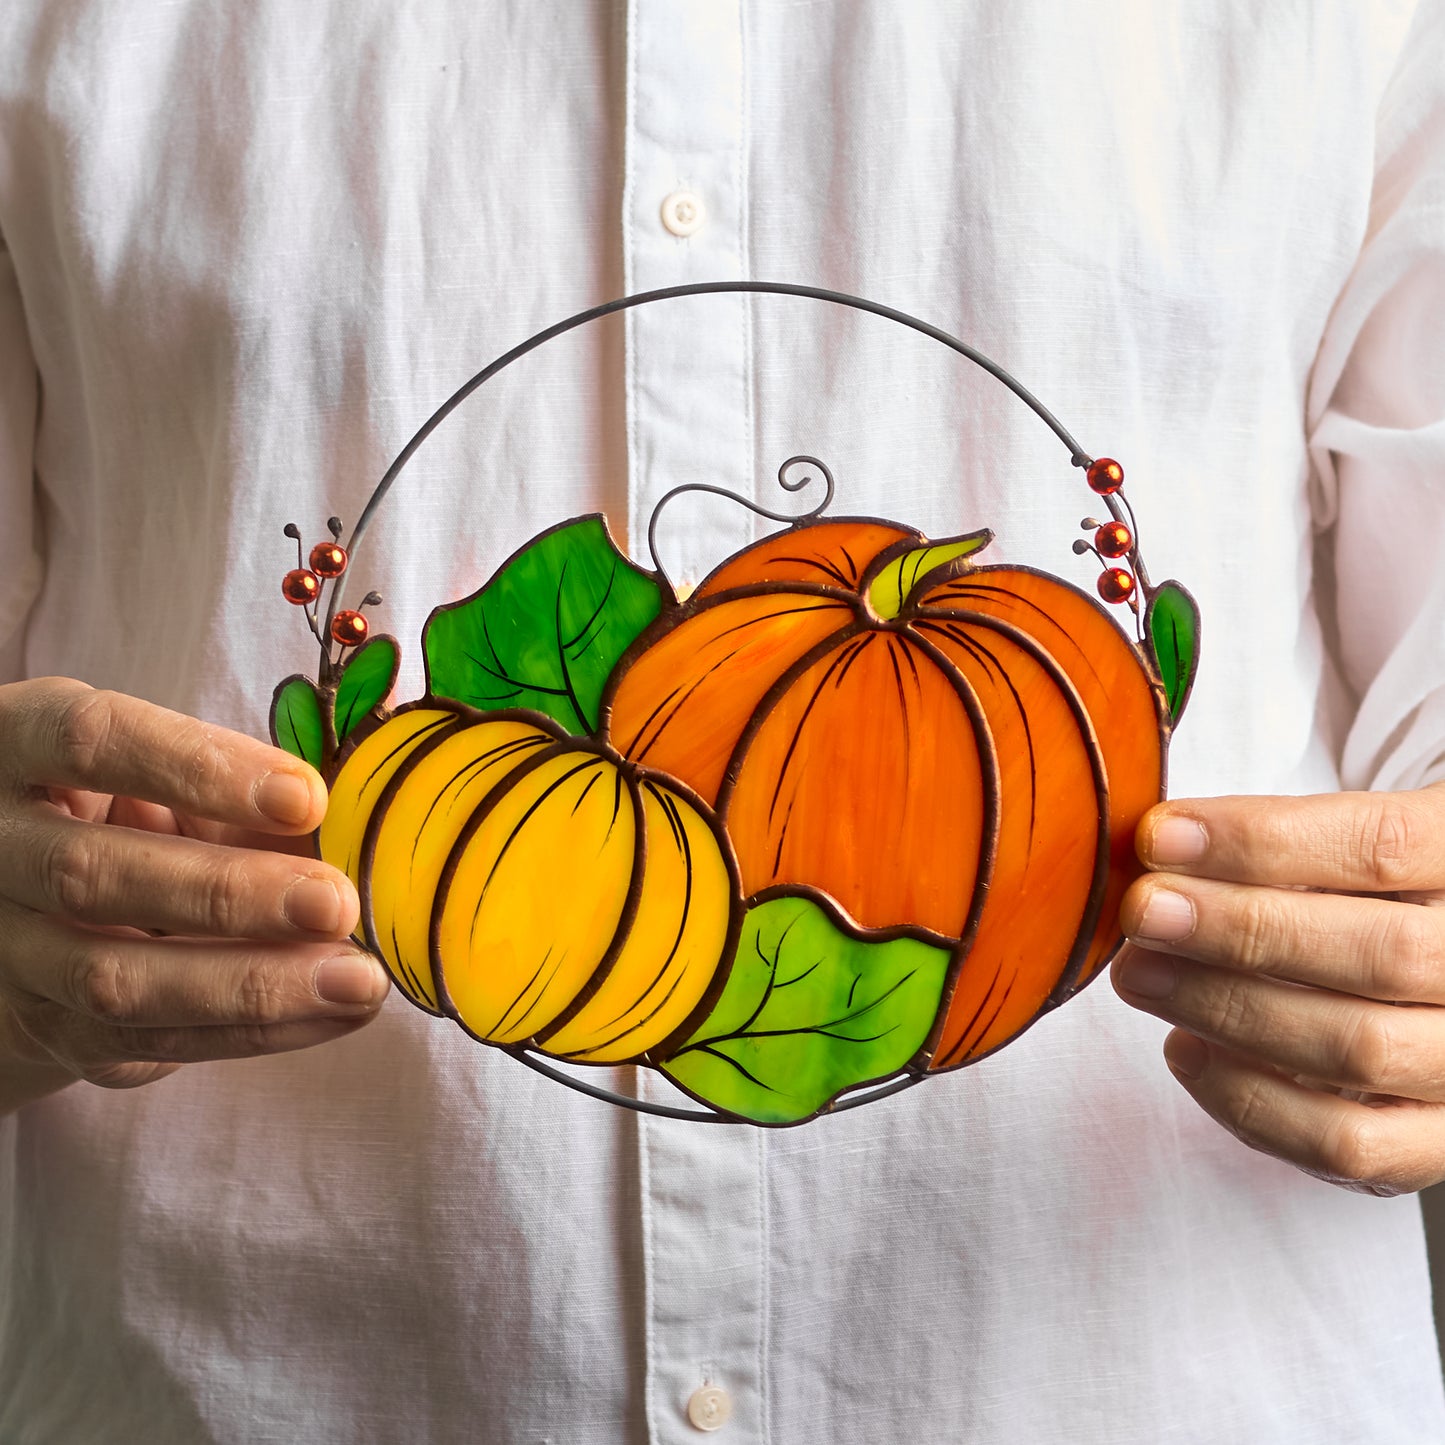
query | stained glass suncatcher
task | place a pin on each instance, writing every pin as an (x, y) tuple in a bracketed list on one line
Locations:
[(857, 811)]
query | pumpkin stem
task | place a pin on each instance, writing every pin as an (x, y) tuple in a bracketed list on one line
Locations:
[(891, 589)]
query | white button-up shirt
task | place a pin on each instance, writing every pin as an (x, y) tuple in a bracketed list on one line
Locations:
[(247, 248)]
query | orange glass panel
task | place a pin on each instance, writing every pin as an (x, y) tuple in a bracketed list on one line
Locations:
[(828, 554), (1106, 671), (1037, 905), (683, 704), (865, 780)]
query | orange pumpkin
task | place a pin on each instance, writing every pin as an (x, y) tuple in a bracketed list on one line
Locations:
[(963, 751)]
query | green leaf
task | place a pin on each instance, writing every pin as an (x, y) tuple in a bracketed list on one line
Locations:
[(895, 582), (366, 679), (547, 630), (1171, 625), (296, 720), (807, 1012)]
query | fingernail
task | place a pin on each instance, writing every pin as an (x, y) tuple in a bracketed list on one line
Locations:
[(1147, 977), (1186, 1055), (1177, 840), (349, 978), (284, 798), (313, 904), (1168, 917)]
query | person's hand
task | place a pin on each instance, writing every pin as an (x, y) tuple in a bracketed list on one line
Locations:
[(1299, 945), (147, 918)]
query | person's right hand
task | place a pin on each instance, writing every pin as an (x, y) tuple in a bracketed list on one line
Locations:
[(154, 906)]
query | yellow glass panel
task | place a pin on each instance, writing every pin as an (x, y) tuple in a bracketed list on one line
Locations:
[(356, 788), (423, 820), (673, 948), (537, 896)]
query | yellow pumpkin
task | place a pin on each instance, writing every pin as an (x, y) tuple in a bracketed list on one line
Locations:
[(537, 887)]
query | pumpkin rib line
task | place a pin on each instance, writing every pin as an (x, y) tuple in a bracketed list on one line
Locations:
[(617, 783), (416, 739), (501, 1023), (639, 754), (990, 777), (998, 1009), (773, 696), (826, 568), (561, 745), (541, 993), (424, 741), (680, 836), (966, 586), (622, 930), (581, 1055), (537, 802), (703, 601), (410, 982), (826, 606), (722, 970), (948, 1059), (642, 752), (903, 709), (844, 659), (991, 663), (1094, 901), (582, 796), (517, 828)]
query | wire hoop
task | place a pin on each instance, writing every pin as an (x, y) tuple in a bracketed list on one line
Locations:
[(1077, 455), (865, 1093)]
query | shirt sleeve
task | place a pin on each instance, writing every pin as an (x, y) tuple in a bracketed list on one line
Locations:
[(20, 557), (1375, 416)]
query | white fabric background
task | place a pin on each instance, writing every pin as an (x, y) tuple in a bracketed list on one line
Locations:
[(248, 248)]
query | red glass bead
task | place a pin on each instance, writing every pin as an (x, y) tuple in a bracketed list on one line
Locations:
[(1116, 585), (328, 559), (300, 586), (1105, 476), (350, 628), (1113, 539)]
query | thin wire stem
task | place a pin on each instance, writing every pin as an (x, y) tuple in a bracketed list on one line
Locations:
[(796, 518)]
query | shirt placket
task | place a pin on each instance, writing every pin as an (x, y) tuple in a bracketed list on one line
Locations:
[(689, 412)]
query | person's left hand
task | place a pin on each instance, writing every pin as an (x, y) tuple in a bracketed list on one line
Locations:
[(1299, 945)]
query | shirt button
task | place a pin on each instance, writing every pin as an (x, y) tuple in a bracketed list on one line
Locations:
[(710, 1407), (683, 213)]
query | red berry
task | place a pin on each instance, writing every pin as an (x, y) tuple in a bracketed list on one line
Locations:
[(1113, 539), (1116, 585), (300, 586), (328, 559), (350, 628), (1105, 476)]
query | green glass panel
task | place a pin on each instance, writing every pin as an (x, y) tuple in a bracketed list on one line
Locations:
[(546, 631), (1172, 627), (296, 722), (365, 681), (892, 587), (808, 1011)]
